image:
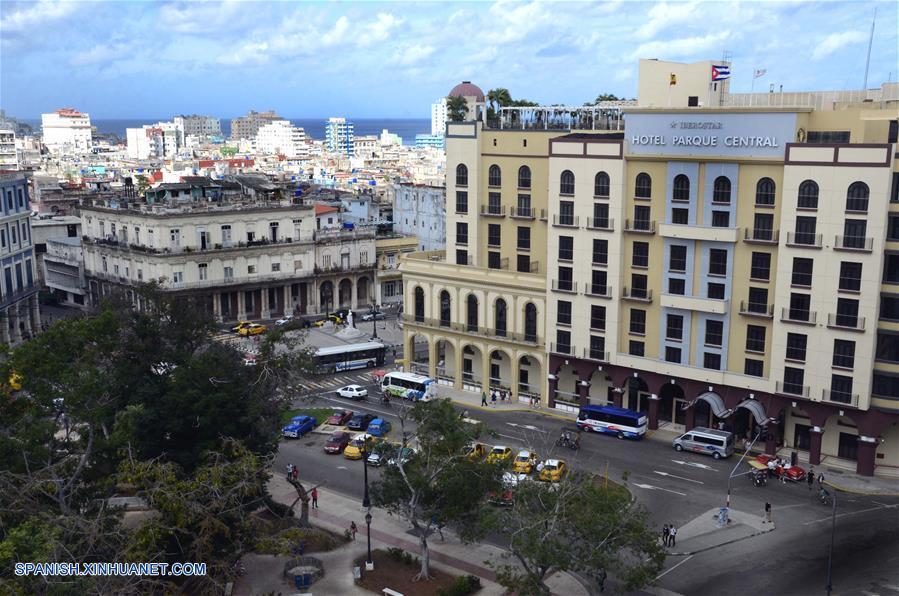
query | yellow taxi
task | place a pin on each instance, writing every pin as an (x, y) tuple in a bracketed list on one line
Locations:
[(240, 325), (356, 446), (553, 470), (252, 329), (525, 462), (332, 318), (476, 452), (500, 454)]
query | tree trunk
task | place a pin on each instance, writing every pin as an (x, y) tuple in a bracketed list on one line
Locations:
[(302, 496), (425, 572)]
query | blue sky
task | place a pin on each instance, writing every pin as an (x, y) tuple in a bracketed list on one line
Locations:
[(392, 59)]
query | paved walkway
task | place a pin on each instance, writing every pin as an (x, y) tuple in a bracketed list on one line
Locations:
[(704, 532)]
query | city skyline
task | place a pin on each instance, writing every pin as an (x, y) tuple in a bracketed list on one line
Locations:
[(315, 60)]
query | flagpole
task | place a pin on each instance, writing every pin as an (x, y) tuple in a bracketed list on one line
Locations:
[(752, 86)]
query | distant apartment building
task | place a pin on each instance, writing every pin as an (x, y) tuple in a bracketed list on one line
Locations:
[(67, 131), (437, 141), (45, 228), (280, 137), (420, 210), (153, 141), (246, 127), (63, 271), (8, 158), (19, 310), (339, 136), (197, 126), (366, 146), (438, 117)]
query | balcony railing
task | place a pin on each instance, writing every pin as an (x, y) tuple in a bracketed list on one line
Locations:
[(598, 290), (599, 356), (792, 388), (795, 315), (640, 226), (638, 294), (859, 243), (757, 309), (17, 295), (839, 321), (472, 329), (210, 247), (801, 239), (601, 223), (562, 285), (566, 221), (557, 348), (523, 212), (493, 210), (840, 397), (760, 236)]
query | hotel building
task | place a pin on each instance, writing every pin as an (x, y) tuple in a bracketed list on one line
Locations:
[(19, 310)]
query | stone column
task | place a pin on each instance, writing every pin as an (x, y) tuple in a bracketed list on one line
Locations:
[(583, 392), (312, 305), (551, 398), (485, 370), (457, 357), (4, 327), (288, 300), (241, 305), (432, 358), (35, 308), (867, 448), (814, 449), (354, 293), (515, 379), (690, 418), (771, 441), (653, 412), (264, 310), (16, 332)]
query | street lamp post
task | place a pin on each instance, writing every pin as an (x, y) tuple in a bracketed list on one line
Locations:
[(374, 322), (366, 503), (833, 530), (742, 457)]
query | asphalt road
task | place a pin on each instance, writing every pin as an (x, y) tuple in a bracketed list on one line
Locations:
[(675, 488)]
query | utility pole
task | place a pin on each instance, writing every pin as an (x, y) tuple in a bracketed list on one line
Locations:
[(833, 530), (870, 43)]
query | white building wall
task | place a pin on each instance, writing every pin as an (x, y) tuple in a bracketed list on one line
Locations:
[(421, 211), (438, 116), (66, 134)]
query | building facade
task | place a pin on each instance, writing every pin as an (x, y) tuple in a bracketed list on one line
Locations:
[(437, 141), (389, 250), (19, 310), (438, 117), (246, 127), (195, 125), (339, 136), (67, 131), (9, 160), (420, 210), (47, 227), (281, 137)]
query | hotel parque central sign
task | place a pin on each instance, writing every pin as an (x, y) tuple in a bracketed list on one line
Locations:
[(739, 135)]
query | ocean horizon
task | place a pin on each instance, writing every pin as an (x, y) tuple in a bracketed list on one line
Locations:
[(406, 128)]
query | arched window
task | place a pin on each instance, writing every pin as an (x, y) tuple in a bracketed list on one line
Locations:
[(530, 322), (764, 192), (721, 190), (461, 175), (857, 197), (494, 176), (808, 195), (601, 185), (566, 183), (681, 191), (524, 177), (419, 305), (472, 315), (445, 315), (643, 186), (500, 317)]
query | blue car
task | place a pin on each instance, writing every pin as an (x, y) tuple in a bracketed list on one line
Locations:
[(299, 426), (378, 427)]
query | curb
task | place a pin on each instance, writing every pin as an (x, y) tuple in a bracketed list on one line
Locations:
[(866, 493), (542, 411), (706, 548)]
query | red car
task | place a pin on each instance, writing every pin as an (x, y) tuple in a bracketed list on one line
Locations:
[(337, 442), (793, 473), (340, 418)]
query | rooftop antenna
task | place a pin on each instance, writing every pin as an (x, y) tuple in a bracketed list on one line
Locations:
[(870, 43)]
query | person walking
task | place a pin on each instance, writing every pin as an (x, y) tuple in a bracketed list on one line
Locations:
[(353, 529), (811, 478), (767, 512), (493, 397), (314, 495), (484, 399), (672, 536), (821, 480), (665, 535), (289, 471), (296, 472)]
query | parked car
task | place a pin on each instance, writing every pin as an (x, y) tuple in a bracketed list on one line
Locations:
[(340, 417), (404, 455), (283, 320), (374, 315), (360, 421), (337, 442), (354, 449), (337, 320), (252, 329), (504, 496), (354, 392), (500, 454), (476, 452), (378, 427), (249, 360), (553, 470), (299, 426), (525, 462), (240, 325)]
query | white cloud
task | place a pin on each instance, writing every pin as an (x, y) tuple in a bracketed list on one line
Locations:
[(664, 15), (35, 14), (837, 41), (412, 55), (201, 17), (675, 48), (248, 53), (100, 53)]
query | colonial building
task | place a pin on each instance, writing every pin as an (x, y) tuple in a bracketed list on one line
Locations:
[(389, 249), (420, 210), (19, 310)]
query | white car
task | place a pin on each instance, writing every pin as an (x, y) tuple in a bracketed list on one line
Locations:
[(283, 321), (353, 392)]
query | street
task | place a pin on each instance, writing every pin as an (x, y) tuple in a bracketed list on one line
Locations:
[(675, 488)]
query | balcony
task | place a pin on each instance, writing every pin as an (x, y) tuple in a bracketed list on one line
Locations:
[(692, 232), (850, 322), (18, 295), (112, 242), (597, 223), (565, 221), (804, 240), (564, 349), (694, 303), (792, 389), (795, 315), (563, 285), (493, 210), (760, 236), (543, 214), (840, 397), (598, 290), (597, 355), (854, 243), (637, 294), (472, 329), (640, 226), (523, 212), (757, 309)]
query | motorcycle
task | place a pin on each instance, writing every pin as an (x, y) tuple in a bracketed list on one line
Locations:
[(565, 441)]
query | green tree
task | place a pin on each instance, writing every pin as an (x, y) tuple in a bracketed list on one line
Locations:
[(456, 108), (606, 97), (142, 184), (575, 525), (439, 484)]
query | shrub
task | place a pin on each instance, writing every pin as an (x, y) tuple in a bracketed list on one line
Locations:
[(279, 509), (462, 586), (395, 553)]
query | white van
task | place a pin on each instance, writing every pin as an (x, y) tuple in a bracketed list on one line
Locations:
[(717, 443)]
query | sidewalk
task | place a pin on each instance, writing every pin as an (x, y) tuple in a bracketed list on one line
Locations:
[(703, 532), (472, 401)]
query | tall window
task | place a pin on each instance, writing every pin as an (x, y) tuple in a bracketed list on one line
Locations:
[(674, 328), (761, 266), (721, 190), (714, 333), (764, 192), (445, 304), (600, 251), (530, 322), (494, 235), (806, 228), (857, 197), (471, 306), (524, 238), (717, 261), (808, 195), (681, 191), (563, 312), (755, 338), (640, 256), (796, 346), (500, 317), (794, 381), (847, 312), (802, 272), (850, 276), (419, 305), (799, 307), (566, 183), (854, 231), (677, 259), (638, 321), (763, 226), (643, 186), (642, 217), (598, 317), (601, 215), (843, 353), (461, 233), (566, 213), (601, 185), (566, 248), (461, 175), (524, 177), (461, 201), (494, 176)]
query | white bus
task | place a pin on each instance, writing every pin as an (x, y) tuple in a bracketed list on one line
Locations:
[(408, 385), (350, 356)]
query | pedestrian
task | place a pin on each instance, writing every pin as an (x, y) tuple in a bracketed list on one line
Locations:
[(820, 480), (665, 535), (811, 478), (493, 397), (672, 535), (502, 395), (484, 398), (353, 529), (314, 495), (289, 471), (767, 512), (296, 472)]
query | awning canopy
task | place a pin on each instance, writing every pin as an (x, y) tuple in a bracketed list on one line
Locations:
[(758, 411), (715, 402)]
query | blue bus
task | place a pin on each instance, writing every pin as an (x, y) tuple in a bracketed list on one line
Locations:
[(621, 422)]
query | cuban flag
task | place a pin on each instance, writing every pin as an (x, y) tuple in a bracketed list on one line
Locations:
[(719, 73)]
